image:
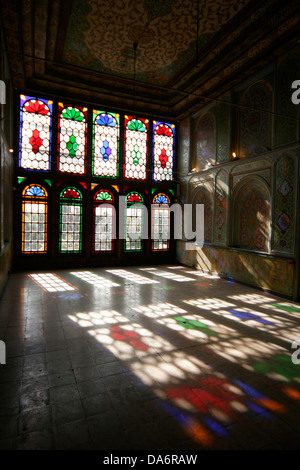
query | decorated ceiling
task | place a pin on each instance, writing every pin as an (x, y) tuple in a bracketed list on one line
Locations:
[(101, 35), (162, 56)]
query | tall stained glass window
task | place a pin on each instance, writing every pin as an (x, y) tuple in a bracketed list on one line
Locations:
[(163, 151), (136, 141), (72, 139), (134, 222), (106, 133), (70, 221), (160, 222), (104, 221), (34, 219), (35, 133)]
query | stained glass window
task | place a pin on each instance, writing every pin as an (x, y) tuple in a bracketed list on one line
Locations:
[(35, 133), (163, 151), (70, 223), (72, 138), (160, 222), (104, 221), (106, 132), (134, 222), (136, 141), (91, 145), (34, 219)]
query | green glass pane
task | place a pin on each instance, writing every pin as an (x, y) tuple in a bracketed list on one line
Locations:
[(73, 113), (136, 125)]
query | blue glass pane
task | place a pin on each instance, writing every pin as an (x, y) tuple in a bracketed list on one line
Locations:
[(160, 199), (35, 191), (106, 120)]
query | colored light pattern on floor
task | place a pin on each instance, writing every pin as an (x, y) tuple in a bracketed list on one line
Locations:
[(94, 279), (130, 337), (209, 303), (245, 351), (278, 367), (118, 338), (251, 318), (135, 278), (148, 269), (206, 275), (199, 328), (175, 267), (70, 296), (287, 307), (198, 397), (243, 315), (171, 276), (251, 298), (189, 381), (159, 310), (51, 282), (191, 324)]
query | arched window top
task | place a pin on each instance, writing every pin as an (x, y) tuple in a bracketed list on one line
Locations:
[(71, 193), (35, 105), (70, 112), (134, 197), (35, 190), (133, 124), (104, 196), (161, 199), (107, 119), (162, 128)]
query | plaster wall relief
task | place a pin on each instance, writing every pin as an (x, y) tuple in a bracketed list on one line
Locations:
[(184, 147), (221, 207), (204, 195), (261, 168), (285, 203), (205, 136), (223, 130), (255, 120), (252, 215), (184, 151)]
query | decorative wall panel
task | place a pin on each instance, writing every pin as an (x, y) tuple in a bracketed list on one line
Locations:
[(221, 207), (206, 141), (255, 120), (284, 213), (203, 196), (252, 216)]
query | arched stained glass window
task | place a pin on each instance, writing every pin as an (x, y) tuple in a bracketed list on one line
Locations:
[(106, 133), (163, 151), (70, 222), (35, 133), (72, 137), (104, 221), (160, 222), (34, 219), (136, 141), (134, 222)]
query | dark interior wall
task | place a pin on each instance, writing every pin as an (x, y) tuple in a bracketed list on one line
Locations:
[(251, 201), (6, 169)]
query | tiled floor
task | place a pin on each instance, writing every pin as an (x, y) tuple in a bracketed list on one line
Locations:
[(147, 359)]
